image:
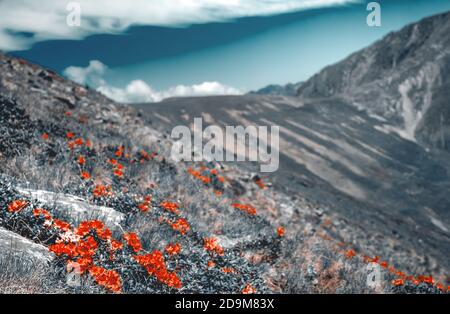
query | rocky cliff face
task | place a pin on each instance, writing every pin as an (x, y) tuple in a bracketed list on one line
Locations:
[(403, 78)]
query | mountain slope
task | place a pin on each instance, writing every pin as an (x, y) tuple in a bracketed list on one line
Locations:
[(345, 145), (88, 183)]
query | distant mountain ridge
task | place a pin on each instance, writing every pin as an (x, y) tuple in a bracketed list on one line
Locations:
[(280, 90), (404, 78)]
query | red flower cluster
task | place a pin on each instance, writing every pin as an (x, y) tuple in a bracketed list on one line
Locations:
[(40, 211), (171, 207), (109, 279), (119, 152), (102, 191), (350, 254), (61, 225), (246, 208), (173, 249), (398, 282), (83, 248), (17, 205), (248, 290), (181, 225), (155, 265), (211, 245), (81, 160), (146, 204), (118, 168), (206, 179), (133, 241)]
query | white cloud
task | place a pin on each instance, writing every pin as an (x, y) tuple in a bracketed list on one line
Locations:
[(138, 91), (46, 19), (91, 75)]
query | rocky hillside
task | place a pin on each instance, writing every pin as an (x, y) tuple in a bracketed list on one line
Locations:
[(403, 78)]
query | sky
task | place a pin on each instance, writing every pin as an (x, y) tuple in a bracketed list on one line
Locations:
[(148, 50)]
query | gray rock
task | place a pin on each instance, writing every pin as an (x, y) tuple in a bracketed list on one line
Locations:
[(15, 244)]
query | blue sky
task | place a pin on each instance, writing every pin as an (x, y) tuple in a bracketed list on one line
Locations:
[(213, 47)]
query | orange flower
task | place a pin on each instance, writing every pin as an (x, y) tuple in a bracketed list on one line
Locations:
[(133, 241), (181, 225), (62, 225), (155, 265), (70, 135), (17, 206), (118, 173), (211, 264), (79, 142), (113, 162), (171, 207), (119, 152), (350, 254), (68, 113), (71, 145), (249, 290), (228, 270), (85, 175), (116, 245), (81, 160), (384, 264), (211, 245), (99, 191), (246, 208), (280, 231), (45, 136), (173, 249), (88, 143), (214, 172), (109, 279), (206, 180), (144, 207), (398, 282), (40, 211), (426, 279)]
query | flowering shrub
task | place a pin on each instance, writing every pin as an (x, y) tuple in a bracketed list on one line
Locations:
[(173, 249), (109, 279), (249, 290), (155, 265), (181, 225), (133, 241), (246, 208), (209, 177), (17, 206), (171, 207), (211, 245)]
